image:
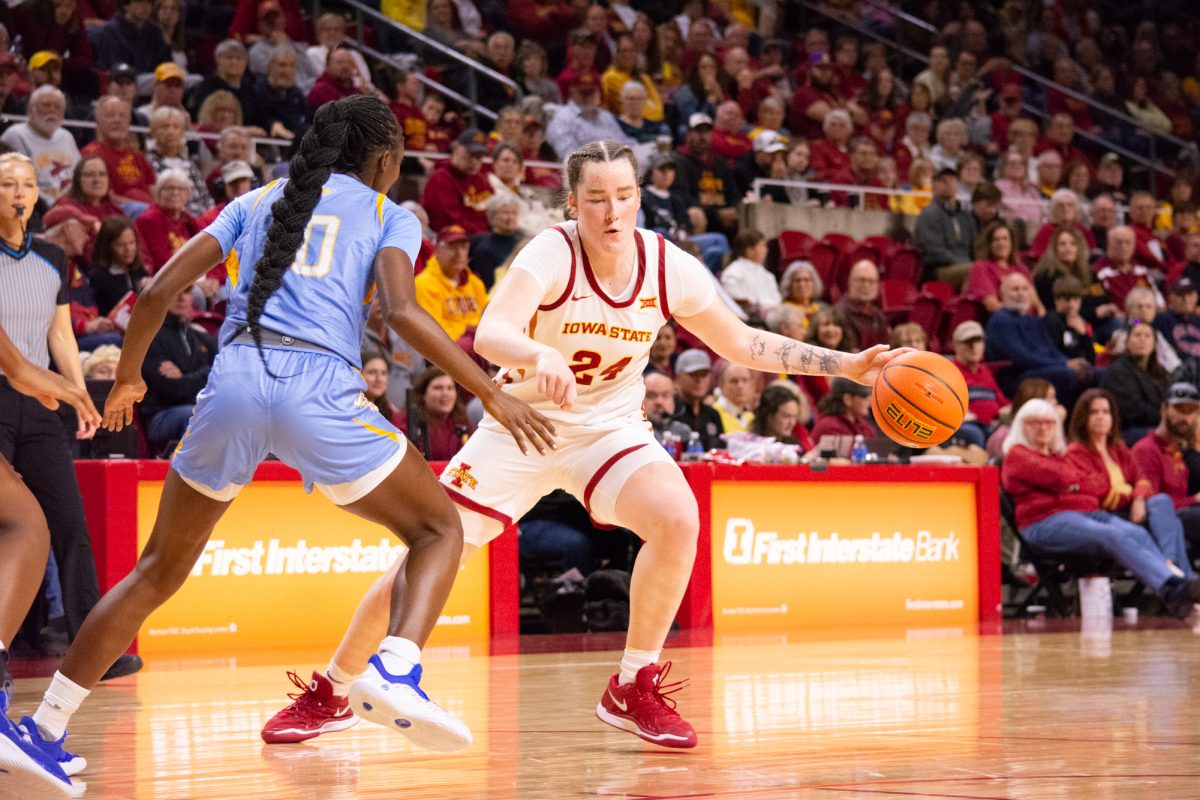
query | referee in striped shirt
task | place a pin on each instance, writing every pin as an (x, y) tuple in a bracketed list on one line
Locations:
[(35, 312)]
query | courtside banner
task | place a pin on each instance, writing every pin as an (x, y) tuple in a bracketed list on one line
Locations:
[(287, 569), (792, 554)]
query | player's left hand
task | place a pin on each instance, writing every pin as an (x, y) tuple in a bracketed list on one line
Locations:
[(118, 409), (864, 367), (48, 388), (521, 421)]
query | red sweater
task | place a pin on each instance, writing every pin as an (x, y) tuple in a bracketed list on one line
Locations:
[(837, 425), (452, 197), (1089, 461), (1161, 462), (129, 173), (163, 235), (326, 90), (1041, 485)]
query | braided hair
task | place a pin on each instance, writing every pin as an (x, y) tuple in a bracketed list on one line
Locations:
[(344, 135)]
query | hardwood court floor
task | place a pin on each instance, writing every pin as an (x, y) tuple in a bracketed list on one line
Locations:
[(930, 714)]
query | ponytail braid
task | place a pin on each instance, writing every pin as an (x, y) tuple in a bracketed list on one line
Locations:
[(344, 135)]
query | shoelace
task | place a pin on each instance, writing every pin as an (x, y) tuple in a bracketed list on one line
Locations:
[(300, 684), (305, 701), (662, 691)]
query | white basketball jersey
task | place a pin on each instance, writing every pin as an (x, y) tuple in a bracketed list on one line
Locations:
[(605, 339)]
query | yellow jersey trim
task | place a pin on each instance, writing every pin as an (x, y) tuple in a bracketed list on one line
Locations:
[(263, 193), (379, 208), (389, 434), (232, 265)]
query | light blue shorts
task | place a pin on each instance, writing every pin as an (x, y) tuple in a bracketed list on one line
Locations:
[(313, 417)]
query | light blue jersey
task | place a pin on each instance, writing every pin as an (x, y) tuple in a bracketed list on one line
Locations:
[(325, 296)]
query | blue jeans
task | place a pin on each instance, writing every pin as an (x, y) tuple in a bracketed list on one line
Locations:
[(1104, 534), (713, 249), (544, 538), (975, 433), (169, 424), (1167, 530)]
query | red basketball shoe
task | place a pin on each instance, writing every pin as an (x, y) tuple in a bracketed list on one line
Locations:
[(313, 711), (645, 710)]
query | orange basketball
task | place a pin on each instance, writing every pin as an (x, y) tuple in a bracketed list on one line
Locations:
[(920, 399)]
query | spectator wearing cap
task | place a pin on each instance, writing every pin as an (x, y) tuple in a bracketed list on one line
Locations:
[(167, 225), (331, 30), (985, 398), (336, 82), (237, 178), (623, 70), (1160, 454), (130, 175), (746, 278), (58, 28), (1120, 270), (45, 67), (632, 116), (122, 83), (234, 144), (48, 145), (534, 147), (272, 31), (705, 178), (945, 232), (1179, 323), (676, 215), (860, 305), (131, 37), (231, 76), (281, 104), (581, 61), (729, 139), (844, 411), (693, 382), (995, 257), (765, 160), (168, 90), (447, 289), (1110, 179), (168, 125), (457, 192), (1016, 335), (10, 73), (583, 120), (812, 101)]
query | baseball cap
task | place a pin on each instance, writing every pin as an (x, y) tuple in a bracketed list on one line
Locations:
[(1183, 286), (451, 234), (819, 58), (43, 57), (235, 170), (1110, 158), (698, 119), (122, 72), (967, 331), (1181, 394), (841, 386), (168, 70), (690, 361), (474, 140), (769, 142), (660, 160)]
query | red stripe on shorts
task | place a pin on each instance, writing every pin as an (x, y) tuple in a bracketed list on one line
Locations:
[(600, 473), (471, 505)]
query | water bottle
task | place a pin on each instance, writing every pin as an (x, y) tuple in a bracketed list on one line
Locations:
[(858, 453), (695, 448), (672, 444)]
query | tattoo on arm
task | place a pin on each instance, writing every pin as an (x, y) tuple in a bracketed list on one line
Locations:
[(758, 347), (831, 362), (784, 351)]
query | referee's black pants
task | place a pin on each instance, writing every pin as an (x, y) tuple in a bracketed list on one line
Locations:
[(34, 442)]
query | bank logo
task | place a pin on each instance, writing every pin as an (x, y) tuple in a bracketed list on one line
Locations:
[(744, 544)]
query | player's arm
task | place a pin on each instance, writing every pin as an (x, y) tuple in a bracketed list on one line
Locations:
[(42, 384), (737, 342), (398, 299), (190, 262), (502, 337)]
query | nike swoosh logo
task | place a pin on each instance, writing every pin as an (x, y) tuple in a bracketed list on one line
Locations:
[(617, 702), (580, 296)]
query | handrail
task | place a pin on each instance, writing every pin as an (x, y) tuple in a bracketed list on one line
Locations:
[(87, 124), (1150, 163), (430, 83), (1112, 111)]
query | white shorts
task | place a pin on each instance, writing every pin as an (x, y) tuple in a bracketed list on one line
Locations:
[(492, 478)]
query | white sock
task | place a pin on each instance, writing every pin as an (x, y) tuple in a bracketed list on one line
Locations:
[(634, 660), (61, 700), (399, 655), (340, 679)]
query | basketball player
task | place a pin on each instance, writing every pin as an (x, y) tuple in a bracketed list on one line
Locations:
[(572, 324), (27, 768), (286, 382)]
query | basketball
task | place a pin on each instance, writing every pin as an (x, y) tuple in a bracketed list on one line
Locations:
[(919, 399)]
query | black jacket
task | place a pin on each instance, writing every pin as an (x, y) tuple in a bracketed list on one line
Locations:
[(1139, 394), (187, 348), (120, 42), (707, 423), (1070, 342)]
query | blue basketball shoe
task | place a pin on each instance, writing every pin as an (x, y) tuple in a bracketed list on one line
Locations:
[(397, 702), (29, 769)]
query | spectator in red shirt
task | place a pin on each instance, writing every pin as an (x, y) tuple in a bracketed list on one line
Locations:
[(1066, 72), (1159, 454), (1060, 135), (542, 20), (441, 126), (1119, 271), (995, 258), (830, 158), (985, 398), (860, 305), (337, 81), (812, 102), (729, 139), (458, 191), (1064, 210), (1009, 110), (1142, 209), (845, 411), (849, 82), (918, 128), (130, 175), (581, 60), (167, 225), (403, 88)]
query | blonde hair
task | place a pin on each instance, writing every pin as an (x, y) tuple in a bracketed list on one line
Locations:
[(1034, 409), (208, 109), (101, 355), (19, 158)]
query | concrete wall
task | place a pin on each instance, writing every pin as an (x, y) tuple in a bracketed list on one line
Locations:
[(772, 218)]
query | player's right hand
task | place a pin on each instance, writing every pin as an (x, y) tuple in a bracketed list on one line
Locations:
[(48, 388), (118, 409), (555, 379), (521, 421)]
